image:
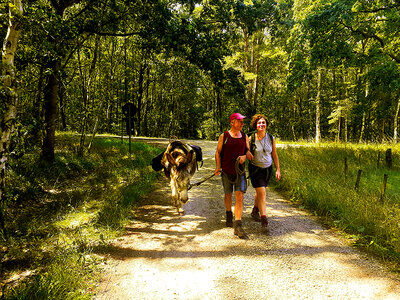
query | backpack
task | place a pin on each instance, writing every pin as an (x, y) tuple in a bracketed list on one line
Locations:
[(199, 154), (253, 139), (156, 161)]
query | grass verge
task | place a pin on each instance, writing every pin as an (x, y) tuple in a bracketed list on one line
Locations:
[(323, 178), (57, 213)]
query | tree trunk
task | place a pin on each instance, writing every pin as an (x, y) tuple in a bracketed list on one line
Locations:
[(86, 93), (219, 109), (362, 132), (63, 123), (339, 128), (50, 107), (362, 128), (10, 94), (37, 130), (95, 124), (255, 87), (395, 125), (149, 100), (318, 109), (142, 69), (51, 90)]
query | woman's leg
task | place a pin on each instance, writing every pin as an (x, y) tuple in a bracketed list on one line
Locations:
[(260, 200)]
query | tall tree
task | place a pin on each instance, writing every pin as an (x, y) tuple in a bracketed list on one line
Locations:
[(357, 33), (8, 93)]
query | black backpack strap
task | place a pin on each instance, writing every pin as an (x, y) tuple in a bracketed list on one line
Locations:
[(271, 138), (245, 144), (252, 136), (226, 135), (253, 143)]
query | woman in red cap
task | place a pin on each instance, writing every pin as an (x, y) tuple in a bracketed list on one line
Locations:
[(232, 151)]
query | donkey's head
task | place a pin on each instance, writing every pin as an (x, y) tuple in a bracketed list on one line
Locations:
[(180, 165)]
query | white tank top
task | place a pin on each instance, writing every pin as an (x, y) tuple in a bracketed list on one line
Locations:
[(262, 153)]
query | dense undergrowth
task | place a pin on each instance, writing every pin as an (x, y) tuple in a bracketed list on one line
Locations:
[(316, 177), (58, 213)]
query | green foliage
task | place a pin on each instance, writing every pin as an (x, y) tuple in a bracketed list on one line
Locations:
[(186, 65), (385, 76), (315, 176), (57, 214)]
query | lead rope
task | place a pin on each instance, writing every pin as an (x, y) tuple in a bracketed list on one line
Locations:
[(201, 181), (238, 170), (239, 173)]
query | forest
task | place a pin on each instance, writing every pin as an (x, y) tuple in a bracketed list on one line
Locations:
[(319, 70)]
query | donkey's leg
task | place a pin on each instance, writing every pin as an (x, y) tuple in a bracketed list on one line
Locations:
[(180, 209), (175, 194)]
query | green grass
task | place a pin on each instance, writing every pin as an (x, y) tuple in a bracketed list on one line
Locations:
[(314, 176), (58, 213)]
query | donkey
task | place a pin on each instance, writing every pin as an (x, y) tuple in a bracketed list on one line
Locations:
[(179, 163)]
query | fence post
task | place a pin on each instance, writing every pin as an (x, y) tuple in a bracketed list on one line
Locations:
[(389, 158), (358, 179), (345, 168), (385, 178)]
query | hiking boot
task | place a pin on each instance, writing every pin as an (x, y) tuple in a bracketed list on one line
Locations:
[(264, 222), (255, 214), (238, 230), (229, 219)]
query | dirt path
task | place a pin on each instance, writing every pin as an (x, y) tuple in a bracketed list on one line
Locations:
[(166, 256)]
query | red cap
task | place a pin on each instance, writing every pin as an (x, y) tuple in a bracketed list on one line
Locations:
[(236, 116)]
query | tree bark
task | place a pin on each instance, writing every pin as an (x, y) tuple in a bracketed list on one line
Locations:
[(396, 124), (10, 95), (50, 108), (86, 94), (142, 69), (63, 124), (362, 128), (99, 113), (318, 109), (51, 90)]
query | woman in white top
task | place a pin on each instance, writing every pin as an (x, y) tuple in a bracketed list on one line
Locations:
[(260, 168)]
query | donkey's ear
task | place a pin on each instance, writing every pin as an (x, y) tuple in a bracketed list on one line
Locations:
[(170, 159), (189, 156)]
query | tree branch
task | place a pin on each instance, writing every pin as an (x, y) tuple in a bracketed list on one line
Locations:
[(365, 34), (369, 11), (113, 33), (374, 37)]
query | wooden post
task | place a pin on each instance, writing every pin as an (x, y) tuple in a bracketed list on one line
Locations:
[(385, 178), (345, 167), (358, 179), (389, 158)]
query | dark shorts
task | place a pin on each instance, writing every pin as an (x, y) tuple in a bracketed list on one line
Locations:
[(227, 182), (259, 177)]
